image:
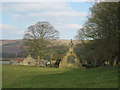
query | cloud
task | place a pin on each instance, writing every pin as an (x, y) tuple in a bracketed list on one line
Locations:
[(52, 12), (72, 26), (11, 31), (6, 27), (41, 9), (68, 27), (61, 15), (41, 6), (60, 0), (58, 13), (68, 31), (0, 7), (48, 0)]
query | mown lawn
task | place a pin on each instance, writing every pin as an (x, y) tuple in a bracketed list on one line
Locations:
[(36, 77)]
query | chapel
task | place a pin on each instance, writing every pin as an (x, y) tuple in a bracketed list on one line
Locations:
[(70, 60)]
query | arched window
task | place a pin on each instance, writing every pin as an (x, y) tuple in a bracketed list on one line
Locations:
[(71, 59)]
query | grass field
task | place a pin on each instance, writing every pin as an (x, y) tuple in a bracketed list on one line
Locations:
[(36, 77)]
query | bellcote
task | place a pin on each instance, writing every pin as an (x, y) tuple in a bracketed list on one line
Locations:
[(71, 45)]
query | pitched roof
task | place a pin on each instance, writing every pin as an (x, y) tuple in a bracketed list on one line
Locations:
[(20, 60), (57, 56), (30, 57)]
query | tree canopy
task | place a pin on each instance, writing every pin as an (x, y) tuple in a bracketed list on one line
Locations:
[(102, 32), (39, 37)]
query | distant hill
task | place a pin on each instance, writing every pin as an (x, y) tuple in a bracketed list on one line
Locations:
[(12, 47)]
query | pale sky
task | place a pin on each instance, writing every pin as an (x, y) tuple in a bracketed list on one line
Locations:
[(66, 17)]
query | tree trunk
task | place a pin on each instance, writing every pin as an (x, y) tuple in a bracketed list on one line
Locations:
[(114, 63), (38, 61)]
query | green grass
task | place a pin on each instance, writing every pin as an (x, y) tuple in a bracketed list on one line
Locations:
[(37, 77)]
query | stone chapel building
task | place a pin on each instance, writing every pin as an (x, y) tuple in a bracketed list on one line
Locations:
[(70, 60)]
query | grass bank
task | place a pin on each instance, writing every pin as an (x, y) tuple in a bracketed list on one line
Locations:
[(36, 77)]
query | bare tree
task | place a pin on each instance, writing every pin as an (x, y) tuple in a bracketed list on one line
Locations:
[(38, 37)]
